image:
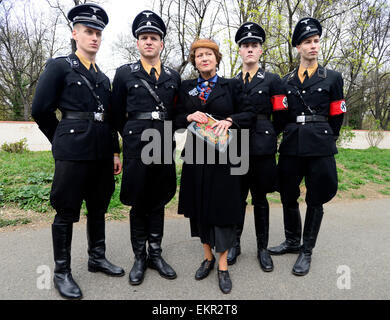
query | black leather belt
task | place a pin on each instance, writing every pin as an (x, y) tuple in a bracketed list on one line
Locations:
[(311, 118), (154, 115), (76, 115), (263, 117)]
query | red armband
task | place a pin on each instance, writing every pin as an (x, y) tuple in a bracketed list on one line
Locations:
[(279, 102), (337, 107)]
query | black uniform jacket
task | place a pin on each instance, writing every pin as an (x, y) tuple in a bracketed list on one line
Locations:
[(208, 192), (130, 96), (323, 94), (265, 93), (142, 184), (61, 87)]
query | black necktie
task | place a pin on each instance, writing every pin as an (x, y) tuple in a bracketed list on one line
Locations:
[(246, 81), (153, 74), (92, 72), (306, 76)]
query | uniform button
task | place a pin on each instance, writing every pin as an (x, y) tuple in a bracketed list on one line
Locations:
[(136, 86), (260, 91), (303, 113), (326, 131), (319, 89), (97, 86), (79, 83), (71, 130), (130, 132), (303, 91), (156, 87), (289, 92), (267, 132)]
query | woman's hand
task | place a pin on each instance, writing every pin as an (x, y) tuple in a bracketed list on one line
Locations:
[(198, 117), (117, 165), (222, 126)]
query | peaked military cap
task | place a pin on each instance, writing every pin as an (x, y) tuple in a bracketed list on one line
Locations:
[(305, 28), (148, 21), (90, 15), (250, 32)]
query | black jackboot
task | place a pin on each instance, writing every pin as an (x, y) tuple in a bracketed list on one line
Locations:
[(261, 214), (97, 249), (63, 280), (138, 236), (235, 251), (155, 261), (310, 232), (292, 231)]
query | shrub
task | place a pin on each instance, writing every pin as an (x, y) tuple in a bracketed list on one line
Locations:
[(345, 136), (15, 147)]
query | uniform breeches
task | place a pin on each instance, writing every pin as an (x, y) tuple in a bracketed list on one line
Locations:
[(320, 176), (75, 181)]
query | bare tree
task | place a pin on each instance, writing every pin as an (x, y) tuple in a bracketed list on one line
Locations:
[(26, 41)]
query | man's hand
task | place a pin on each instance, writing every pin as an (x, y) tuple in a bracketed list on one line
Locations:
[(117, 165)]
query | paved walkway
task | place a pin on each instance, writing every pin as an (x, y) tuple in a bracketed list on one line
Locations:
[(354, 241)]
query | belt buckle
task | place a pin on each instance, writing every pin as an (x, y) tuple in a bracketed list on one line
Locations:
[(98, 116), (301, 119), (156, 115)]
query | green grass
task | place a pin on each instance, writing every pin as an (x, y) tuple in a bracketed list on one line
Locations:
[(13, 222), (357, 168), (25, 179)]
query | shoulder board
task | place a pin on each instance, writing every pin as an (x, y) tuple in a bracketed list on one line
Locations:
[(51, 59), (238, 76), (59, 57)]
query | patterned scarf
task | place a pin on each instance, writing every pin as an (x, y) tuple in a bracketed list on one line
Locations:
[(204, 87)]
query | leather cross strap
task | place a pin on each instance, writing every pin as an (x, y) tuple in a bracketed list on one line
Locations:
[(154, 94), (89, 85)]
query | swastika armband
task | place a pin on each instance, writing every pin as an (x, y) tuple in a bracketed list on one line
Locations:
[(279, 102), (337, 107)]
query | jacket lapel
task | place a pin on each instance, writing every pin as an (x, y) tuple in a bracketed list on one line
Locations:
[(217, 90), (79, 67), (257, 78), (293, 79), (192, 93), (314, 78)]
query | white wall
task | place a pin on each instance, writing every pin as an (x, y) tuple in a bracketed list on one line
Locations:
[(12, 131)]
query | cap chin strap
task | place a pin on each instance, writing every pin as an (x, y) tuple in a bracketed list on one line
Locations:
[(159, 31), (251, 37)]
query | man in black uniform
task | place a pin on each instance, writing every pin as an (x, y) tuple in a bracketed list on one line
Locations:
[(264, 91), (143, 98), (316, 111), (83, 145)]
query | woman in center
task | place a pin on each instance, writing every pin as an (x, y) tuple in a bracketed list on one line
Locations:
[(210, 196)]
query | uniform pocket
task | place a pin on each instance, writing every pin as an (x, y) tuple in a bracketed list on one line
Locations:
[(73, 129), (132, 144)]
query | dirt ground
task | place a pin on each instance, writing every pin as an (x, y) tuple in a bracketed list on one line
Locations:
[(39, 220)]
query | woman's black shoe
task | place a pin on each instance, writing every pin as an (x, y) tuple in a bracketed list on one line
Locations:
[(225, 284), (205, 269)]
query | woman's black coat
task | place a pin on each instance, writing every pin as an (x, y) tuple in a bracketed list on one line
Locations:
[(209, 192)]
